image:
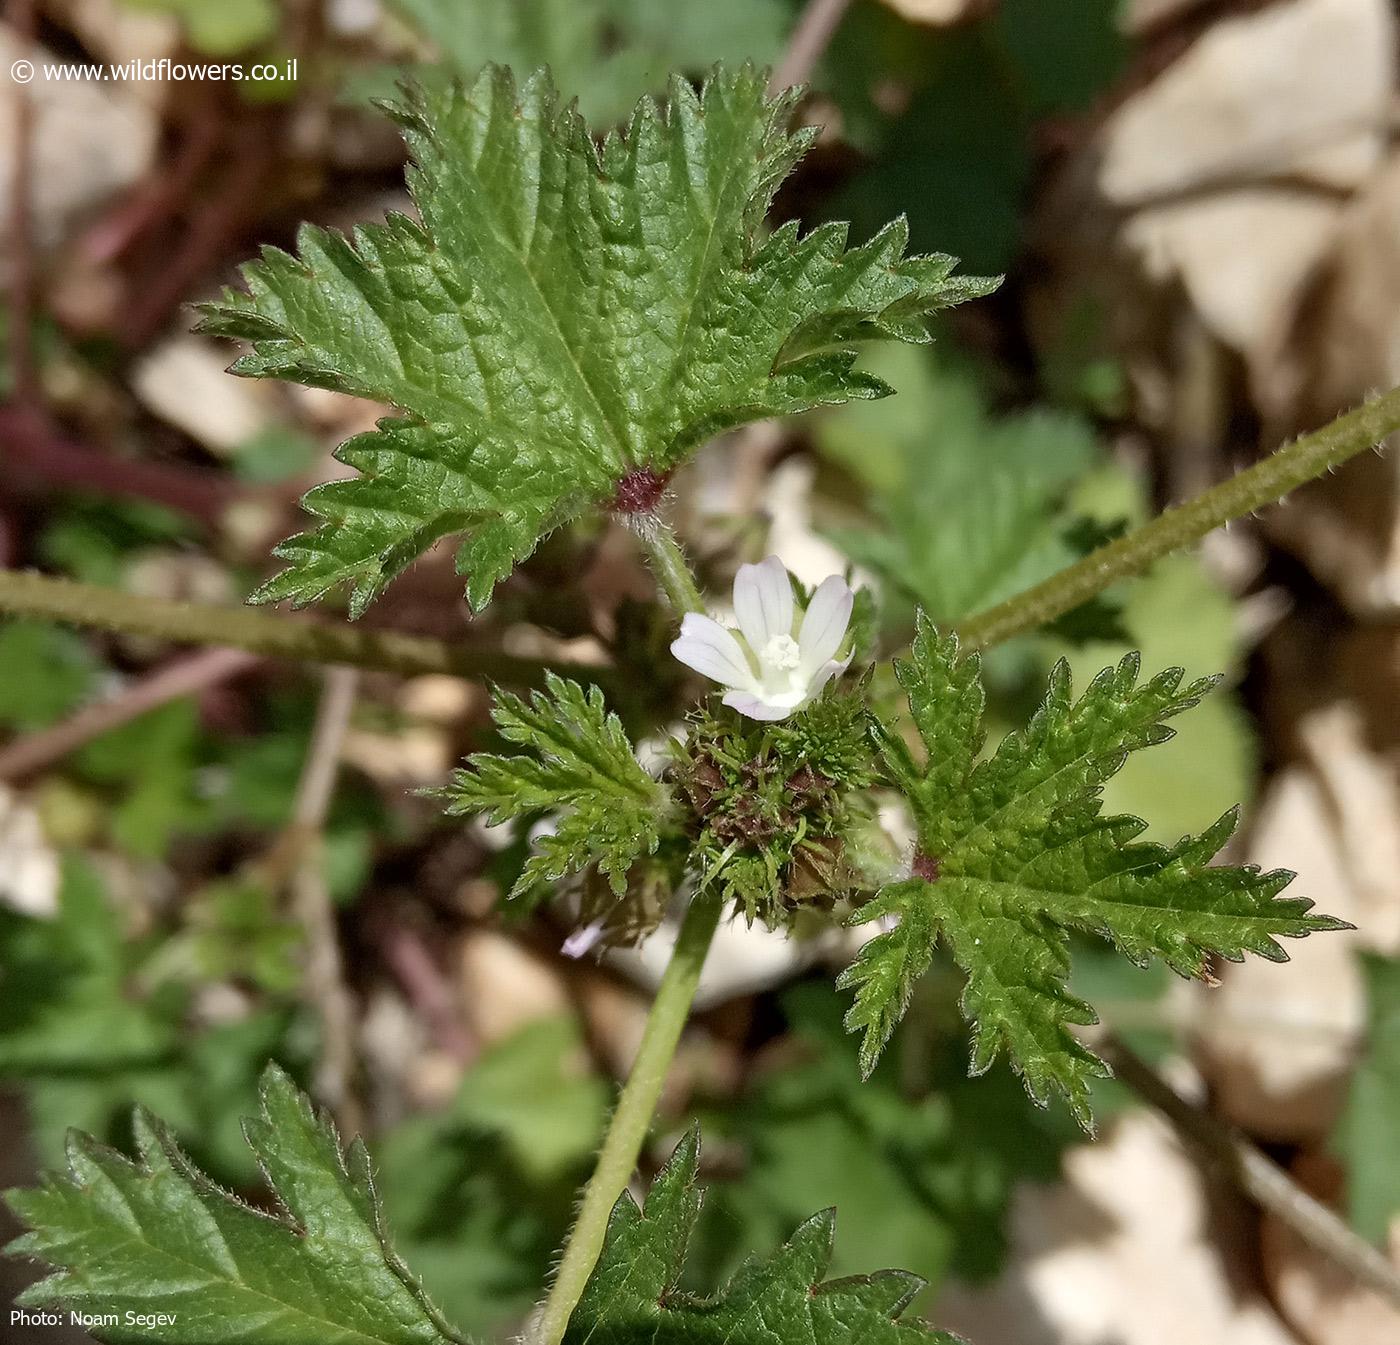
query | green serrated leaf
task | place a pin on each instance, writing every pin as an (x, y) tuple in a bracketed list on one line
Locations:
[(1177, 614), (157, 1237), (1014, 853), (578, 765), (1369, 1135), (633, 1294), (563, 315)]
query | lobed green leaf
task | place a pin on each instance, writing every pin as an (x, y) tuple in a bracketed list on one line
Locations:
[(158, 1240), (579, 765), (633, 1295), (563, 315), (1014, 853), (966, 508)]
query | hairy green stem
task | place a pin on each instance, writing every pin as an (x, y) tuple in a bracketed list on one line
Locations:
[(280, 636), (630, 1123), (668, 562), (1265, 483), (268, 633), (627, 1131)]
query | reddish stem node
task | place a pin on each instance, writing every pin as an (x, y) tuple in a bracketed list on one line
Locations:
[(640, 491)]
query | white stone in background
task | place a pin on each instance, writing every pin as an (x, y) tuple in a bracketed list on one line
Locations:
[(29, 868), (337, 413), (178, 576), (219, 1002), (1257, 96), (438, 698), (184, 382), (353, 18), (1321, 1301), (1121, 1251), (1140, 15), (743, 960), (495, 836), (393, 1044), (1278, 1043), (504, 986), (1243, 257), (1342, 166), (935, 11), (117, 31), (91, 142), (1363, 803), (1356, 333), (1344, 347), (409, 756), (787, 501)]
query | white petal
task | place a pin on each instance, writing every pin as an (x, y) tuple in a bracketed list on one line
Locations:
[(755, 707), (763, 602), (824, 625), (707, 647), (822, 676)]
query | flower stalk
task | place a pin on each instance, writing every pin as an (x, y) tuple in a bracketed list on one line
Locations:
[(667, 561), (636, 1104)]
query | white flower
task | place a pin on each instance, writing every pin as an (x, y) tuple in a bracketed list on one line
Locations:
[(773, 666)]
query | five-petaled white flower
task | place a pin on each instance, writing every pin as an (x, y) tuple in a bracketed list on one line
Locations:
[(773, 666)]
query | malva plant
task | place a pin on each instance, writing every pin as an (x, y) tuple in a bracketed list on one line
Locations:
[(566, 322)]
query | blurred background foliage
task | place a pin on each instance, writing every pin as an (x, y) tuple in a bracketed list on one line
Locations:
[(1193, 204)]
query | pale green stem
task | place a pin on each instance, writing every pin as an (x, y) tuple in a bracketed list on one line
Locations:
[(269, 633), (636, 1105), (632, 1120), (668, 562), (1265, 483), (279, 636)]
